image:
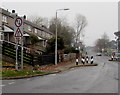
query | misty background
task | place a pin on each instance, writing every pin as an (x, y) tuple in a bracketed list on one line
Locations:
[(102, 17)]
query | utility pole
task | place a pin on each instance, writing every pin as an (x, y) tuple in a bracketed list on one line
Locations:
[(56, 35)]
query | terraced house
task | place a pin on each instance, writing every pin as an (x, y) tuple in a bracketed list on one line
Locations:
[(7, 30)]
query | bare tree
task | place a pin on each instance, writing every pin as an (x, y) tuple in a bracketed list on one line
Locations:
[(103, 43), (106, 40), (80, 24), (40, 21)]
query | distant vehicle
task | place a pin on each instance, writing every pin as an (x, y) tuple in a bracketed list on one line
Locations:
[(99, 54), (117, 56)]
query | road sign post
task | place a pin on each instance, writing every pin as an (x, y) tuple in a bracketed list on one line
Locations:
[(18, 33), (16, 64), (22, 53)]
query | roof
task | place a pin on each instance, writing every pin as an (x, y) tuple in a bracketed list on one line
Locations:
[(6, 12), (7, 29), (36, 26), (117, 33)]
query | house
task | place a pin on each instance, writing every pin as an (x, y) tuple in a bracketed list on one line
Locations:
[(7, 30)]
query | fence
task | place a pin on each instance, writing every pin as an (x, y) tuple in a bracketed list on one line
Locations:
[(70, 56), (9, 50), (45, 59)]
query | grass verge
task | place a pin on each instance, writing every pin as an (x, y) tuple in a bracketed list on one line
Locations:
[(14, 73)]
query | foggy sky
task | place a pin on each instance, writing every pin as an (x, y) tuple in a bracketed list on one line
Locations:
[(102, 17)]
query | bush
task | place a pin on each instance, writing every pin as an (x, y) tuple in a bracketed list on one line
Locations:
[(34, 39), (70, 50), (51, 44)]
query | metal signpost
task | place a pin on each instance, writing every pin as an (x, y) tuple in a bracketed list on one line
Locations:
[(22, 53), (18, 33)]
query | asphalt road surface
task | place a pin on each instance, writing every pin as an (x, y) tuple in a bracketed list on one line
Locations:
[(97, 79)]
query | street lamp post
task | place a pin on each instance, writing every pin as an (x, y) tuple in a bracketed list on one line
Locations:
[(56, 35)]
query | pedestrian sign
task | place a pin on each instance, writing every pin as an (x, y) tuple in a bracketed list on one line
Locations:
[(18, 27)]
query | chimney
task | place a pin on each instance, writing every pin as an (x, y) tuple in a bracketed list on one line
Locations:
[(24, 16), (13, 11)]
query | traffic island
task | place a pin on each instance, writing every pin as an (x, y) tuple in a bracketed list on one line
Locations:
[(85, 65)]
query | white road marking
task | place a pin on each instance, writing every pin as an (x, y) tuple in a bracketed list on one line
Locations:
[(52, 74), (28, 79), (11, 82), (2, 85)]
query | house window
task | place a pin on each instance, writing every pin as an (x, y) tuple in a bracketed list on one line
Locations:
[(1, 36), (49, 36), (43, 34), (36, 31), (46, 35), (44, 43), (4, 18), (29, 29)]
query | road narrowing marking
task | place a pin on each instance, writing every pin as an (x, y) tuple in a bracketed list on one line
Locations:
[(103, 64), (2, 85), (11, 82), (52, 74)]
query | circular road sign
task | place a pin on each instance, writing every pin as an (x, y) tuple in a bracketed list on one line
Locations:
[(18, 22)]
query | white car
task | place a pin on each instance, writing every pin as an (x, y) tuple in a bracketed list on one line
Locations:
[(98, 54)]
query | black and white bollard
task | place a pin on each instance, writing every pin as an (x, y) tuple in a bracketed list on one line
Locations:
[(87, 59), (76, 61), (112, 57), (83, 60), (91, 60)]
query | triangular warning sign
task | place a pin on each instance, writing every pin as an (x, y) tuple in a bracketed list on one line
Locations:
[(18, 33)]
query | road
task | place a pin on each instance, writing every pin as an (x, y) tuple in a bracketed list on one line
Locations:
[(98, 79)]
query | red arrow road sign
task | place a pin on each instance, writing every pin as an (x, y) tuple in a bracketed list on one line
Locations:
[(18, 33)]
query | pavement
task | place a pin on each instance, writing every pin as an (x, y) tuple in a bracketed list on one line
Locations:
[(66, 66), (52, 69)]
